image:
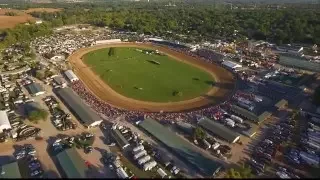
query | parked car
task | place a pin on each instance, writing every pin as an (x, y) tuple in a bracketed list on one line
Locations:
[(37, 172)]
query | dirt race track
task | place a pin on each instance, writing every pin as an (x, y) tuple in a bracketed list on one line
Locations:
[(223, 88)]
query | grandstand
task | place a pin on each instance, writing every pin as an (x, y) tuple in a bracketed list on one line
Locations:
[(86, 115)]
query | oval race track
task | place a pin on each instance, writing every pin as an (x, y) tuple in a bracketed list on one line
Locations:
[(223, 88)]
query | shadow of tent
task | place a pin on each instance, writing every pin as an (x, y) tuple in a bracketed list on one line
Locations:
[(6, 159)]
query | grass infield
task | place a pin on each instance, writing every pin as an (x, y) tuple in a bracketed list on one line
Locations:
[(146, 75)]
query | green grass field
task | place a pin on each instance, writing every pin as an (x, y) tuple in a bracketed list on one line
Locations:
[(148, 77)]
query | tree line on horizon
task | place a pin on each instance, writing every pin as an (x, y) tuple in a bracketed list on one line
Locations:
[(200, 24)]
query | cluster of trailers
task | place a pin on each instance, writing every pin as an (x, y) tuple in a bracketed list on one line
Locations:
[(143, 159)]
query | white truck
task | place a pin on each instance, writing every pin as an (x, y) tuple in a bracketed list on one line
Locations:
[(138, 148), (144, 159), (139, 154), (230, 122), (236, 118)]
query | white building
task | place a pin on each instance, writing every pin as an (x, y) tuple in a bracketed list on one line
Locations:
[(71, 76), (149, 165), (231, 65), (4, 121), (58, 58), (161, 173), (38, 22), (109, 41)]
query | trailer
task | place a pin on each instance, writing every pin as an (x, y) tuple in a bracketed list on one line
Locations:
[(236, 118), (144, 159), (258, 98), (215, 146), (206, 143), (148, 166), (230, 122), (138, 148), (139, 154), (124, 131)]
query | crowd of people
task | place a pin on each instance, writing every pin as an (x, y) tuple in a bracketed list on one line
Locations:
[(113, 112)]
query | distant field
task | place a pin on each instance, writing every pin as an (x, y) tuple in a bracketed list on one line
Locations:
[(135, 74), (22, 16)]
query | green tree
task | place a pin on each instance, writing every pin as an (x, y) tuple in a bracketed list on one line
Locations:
[(242, 172), (40, 74), (112, 51), (199, 133), (48, 73), (10, 13), (38, 115)]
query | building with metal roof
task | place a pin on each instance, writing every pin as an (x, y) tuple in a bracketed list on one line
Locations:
[(71, 76), (59, 80), (35, 89), (181, 148), (83, 112), (185, 127), (298, 62), (122, 142), (250, 115), (281, 104), (219, 130), (10, 171), (4, 121), (72, 164)]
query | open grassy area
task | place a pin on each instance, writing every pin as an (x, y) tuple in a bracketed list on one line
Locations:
[(148, 77)]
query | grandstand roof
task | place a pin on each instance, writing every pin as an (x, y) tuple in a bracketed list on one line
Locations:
[(219, 130), (85, 114), (72, 164), (119, 138), (182, 148)]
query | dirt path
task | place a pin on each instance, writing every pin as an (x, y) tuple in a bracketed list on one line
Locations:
[(224, 82)]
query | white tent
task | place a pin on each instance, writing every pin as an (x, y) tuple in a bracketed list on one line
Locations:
[(4, 121), (161, 173), (231, 65), (71, 76)]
